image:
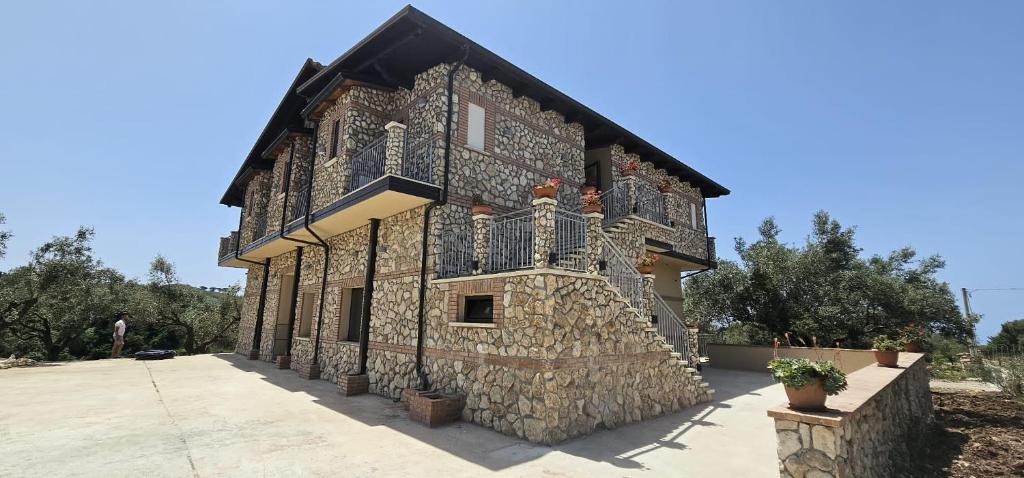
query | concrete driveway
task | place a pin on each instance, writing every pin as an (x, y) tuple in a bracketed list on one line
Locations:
[(221, 415)]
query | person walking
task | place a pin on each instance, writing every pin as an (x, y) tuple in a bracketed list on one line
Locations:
[(119, 329)]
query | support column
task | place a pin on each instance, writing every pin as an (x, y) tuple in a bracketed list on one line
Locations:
[(595, 241), (693, 346), (543, 231), (648, 308), (257, 333), (371, 271), (481, 241), (394, 148)]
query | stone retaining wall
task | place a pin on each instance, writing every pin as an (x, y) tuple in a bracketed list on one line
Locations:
[(870, 430)]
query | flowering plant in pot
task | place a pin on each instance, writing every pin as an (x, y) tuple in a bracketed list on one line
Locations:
[(480, 207), (645, 263), (887, 351), (588, 188), (665, 186), (630, 168), (592, 202), (547, 189), (912, 337), (808, 383)]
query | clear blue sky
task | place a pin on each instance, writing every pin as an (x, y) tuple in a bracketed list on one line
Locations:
[(905, 119)]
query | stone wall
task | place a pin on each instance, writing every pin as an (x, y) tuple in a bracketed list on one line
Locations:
[(871, 430)]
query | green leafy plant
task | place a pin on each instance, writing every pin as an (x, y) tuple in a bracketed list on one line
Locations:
[(883, 343), (796, 373)]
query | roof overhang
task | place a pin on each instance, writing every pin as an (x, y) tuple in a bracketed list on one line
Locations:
[(285, 117), (283, 140), (410, 42)]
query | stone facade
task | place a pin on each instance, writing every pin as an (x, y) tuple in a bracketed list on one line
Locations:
[(565, 353), (876, 437)]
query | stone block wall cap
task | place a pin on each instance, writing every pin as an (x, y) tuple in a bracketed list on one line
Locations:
[(539, 201), (648, 276), (395, 124), (595, 215), (482, 216)]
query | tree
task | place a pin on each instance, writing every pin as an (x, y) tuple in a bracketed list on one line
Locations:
[(202, 318), (60, 295), (823, 290), (1010, 336), (5, 237)]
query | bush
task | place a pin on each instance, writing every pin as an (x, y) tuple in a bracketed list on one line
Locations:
[(795, 373), (883, 343)]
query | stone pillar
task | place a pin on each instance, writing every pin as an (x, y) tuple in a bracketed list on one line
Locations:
[(630, 194), (648, 308), (394, 149), (595, 241), (543, 231), (693, 346), (481, 241)]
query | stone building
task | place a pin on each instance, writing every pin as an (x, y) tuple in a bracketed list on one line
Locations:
[(368, 265)]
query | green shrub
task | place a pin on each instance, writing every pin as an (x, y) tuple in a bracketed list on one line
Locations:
[(883, 343), (796, 373)]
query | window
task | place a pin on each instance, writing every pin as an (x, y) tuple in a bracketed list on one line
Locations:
[(693, 215), (351, 314), (475, 130), (334, 138), (479, 309), (306, 318)]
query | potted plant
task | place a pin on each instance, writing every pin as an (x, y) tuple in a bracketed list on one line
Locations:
[(592, 202), (630, 168), (808, 383), (665, 186), (588, 188), (912, 337), (887, 351), (480, 207), (645, 263), (547, 189)]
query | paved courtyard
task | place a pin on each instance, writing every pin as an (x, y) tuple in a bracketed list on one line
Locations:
[(221, 415)]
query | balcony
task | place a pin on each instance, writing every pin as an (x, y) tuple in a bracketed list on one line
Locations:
[(391, 174), (226, 252)]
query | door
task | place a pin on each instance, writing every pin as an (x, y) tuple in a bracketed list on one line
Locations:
[(284, 302)]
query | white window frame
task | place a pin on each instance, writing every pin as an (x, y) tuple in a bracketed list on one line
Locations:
[(475, 126)]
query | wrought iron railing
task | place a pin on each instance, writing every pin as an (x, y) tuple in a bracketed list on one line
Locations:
[(456, 254), (649, 203), (259, 227), (368, 163), (702, 343), (670, 326), (615, 202), (298, 203), (570, 246), (621, 273), (511, 245), (418, 159)]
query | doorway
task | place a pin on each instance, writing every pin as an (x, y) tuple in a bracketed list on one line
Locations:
[(284, 302)]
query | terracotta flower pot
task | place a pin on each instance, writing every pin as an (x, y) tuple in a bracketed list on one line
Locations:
[(545, 192), (628, 172), (592, 208), (887, 358), (810, 397), (914, 347), (482, 209), (645, 269), (665, 189)]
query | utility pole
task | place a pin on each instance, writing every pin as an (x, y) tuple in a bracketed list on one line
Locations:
[(967, 302)]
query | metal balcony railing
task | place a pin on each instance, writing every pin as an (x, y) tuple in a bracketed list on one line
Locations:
[(298, 203), (570, 240), (456, 254), (511, 245), (418, 159), (649, 203), (615, 202), (259, 228), (368, 163)]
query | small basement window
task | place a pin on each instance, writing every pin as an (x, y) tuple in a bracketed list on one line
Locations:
[(479, 309)]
